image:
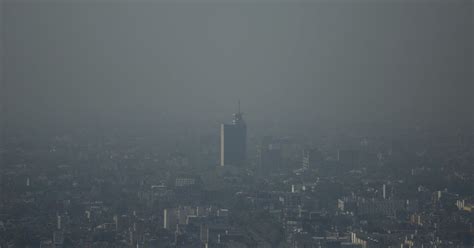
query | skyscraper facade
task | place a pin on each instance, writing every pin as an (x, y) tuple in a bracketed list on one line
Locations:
[(234, 141)]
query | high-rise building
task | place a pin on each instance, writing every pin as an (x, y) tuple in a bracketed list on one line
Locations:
[(170, 218), (311, 158), (234, 141), (269, 155)]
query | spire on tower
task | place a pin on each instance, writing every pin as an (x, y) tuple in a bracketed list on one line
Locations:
[(238, 116)]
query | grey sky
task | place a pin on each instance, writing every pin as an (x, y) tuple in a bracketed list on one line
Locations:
[(313, 62)]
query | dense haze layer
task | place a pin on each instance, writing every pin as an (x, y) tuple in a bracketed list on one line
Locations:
[(317, 63)]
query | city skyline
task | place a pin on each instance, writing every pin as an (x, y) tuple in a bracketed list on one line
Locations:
[(121, 124)]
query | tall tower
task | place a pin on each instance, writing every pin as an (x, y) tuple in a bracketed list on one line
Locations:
[(234, 140)]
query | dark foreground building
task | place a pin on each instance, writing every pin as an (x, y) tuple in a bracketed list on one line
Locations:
[(234, 141)]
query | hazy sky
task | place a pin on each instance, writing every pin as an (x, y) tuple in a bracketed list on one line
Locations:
[(289, 62)]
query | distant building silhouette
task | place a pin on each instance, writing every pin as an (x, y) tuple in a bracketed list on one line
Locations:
[(269, 155), (311, 158), (234, 141)]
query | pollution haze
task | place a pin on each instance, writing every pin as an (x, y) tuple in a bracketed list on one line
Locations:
[(236, 123), (294, 65)]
